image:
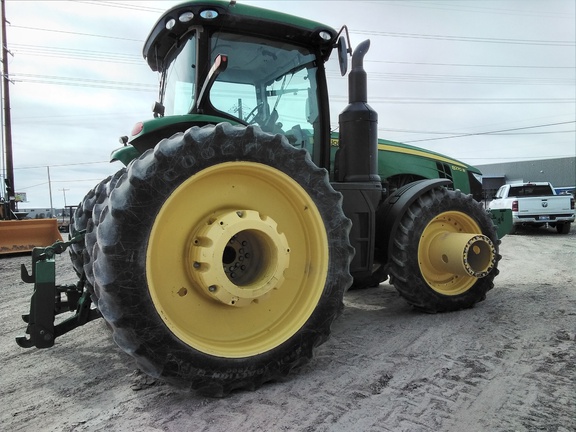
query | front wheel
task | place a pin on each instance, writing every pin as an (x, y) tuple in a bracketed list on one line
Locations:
[(445, 252), (222, 258)]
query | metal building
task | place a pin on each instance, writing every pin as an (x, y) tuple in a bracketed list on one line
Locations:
[(560, 172)]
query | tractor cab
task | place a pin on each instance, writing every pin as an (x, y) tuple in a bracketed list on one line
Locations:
[(221, 61), (273, 85)]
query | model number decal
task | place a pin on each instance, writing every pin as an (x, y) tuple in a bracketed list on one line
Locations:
[(457, 168)]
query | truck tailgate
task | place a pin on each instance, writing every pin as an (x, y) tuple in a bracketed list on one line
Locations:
[(549, 205)]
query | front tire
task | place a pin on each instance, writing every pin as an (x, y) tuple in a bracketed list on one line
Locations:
[(436, 213), (222, 259)]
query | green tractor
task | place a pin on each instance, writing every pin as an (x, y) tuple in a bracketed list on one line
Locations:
[(219, 256)]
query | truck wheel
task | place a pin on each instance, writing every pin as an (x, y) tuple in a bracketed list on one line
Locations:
[(222, 259), (445, 253), (563, 227)]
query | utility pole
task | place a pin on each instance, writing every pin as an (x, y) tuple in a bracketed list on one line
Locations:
[(11, 189), (50, 191), (64, 192)]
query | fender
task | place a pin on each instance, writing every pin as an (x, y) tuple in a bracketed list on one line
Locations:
[(390, 212)]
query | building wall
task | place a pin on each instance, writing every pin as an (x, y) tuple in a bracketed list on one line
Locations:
[(560, 172)]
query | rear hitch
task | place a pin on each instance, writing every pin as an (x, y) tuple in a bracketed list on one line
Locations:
[(47, 298)]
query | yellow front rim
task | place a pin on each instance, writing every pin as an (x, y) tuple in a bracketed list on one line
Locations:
[(453, 253), (237, 259)]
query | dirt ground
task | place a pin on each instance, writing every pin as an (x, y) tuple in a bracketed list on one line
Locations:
[(509, 364)]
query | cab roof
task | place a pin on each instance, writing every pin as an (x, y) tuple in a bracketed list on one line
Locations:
[(177, 23)]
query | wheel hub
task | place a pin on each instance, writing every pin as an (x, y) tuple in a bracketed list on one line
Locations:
[(453, 253), (238, 257)]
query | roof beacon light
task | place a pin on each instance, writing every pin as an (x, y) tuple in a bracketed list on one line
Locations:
[(209, 14), (170, 24), (186, 17), (324, 35)]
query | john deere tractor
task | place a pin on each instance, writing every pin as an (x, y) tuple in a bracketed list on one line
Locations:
[(219, 256)]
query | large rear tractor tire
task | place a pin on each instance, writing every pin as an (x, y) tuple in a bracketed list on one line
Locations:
[(82, 216), (222, 259), (445, 253), (86, 217)]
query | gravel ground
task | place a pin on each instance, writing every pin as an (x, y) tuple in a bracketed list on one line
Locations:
[(509, 364)]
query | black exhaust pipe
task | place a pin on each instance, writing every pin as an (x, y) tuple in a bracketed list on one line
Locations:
[(357, 158), (356, 167)]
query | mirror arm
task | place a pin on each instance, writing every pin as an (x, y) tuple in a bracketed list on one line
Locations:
[(345, 29), (220, 65)]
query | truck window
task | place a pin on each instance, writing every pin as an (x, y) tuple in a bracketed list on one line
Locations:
[(530, 191)]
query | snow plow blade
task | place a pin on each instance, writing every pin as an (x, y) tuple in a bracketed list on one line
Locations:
[(19, 236)]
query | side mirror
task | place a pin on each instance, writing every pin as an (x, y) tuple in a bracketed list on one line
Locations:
[(343, 55)]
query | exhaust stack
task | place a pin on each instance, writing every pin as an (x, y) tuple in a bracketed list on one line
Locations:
[(357, 159)]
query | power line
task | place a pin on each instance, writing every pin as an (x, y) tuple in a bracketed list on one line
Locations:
[(44, 51), (469, 65), (490, 132), (409, 77), (464, 79), (83, 82), (479, 9), (466, 38), (366, 32), (77, 33), (64, 165), (461, 101), (60, 181), (121, 5)]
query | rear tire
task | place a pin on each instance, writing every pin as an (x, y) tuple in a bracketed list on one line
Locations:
[(82, 216), (563, 227), (222, 258), (415, 282), (86, 216)]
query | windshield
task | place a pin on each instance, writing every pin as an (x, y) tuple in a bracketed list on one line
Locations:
[(269, 83), (180, 80)]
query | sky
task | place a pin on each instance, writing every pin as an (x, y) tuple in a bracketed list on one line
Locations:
[(483, 81)]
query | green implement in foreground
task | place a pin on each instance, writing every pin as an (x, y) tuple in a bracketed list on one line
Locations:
[(63, 298)]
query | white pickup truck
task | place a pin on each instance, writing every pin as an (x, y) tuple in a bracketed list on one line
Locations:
[(535, 204)]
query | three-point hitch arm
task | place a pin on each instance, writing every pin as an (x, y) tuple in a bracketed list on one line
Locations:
[(47, 300)]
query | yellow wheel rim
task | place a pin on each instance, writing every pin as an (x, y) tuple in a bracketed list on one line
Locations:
[(237, 259), (453, 253)]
